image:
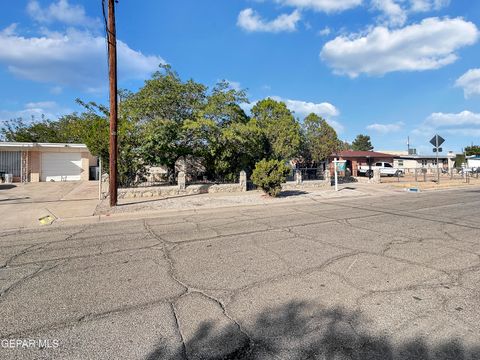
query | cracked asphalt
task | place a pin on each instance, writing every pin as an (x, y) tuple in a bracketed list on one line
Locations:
[(383, 277)]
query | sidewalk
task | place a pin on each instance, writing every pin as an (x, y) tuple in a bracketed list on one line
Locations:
[(22, 205), (257, 197)]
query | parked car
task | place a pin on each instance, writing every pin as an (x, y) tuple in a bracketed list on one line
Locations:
[(386, 169), (473, 170)]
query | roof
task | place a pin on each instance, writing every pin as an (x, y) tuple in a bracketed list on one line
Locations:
[(419, 157), (362, 154), (41, 145)]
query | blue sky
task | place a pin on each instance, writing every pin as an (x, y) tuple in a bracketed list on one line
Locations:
[(387, 68)]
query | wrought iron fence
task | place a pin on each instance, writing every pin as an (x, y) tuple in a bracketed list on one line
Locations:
[(431, 175), (312, 174)]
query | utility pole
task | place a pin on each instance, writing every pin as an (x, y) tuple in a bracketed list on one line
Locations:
[(112, 73)]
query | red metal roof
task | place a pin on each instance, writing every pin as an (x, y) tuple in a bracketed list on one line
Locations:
[(351, 153)]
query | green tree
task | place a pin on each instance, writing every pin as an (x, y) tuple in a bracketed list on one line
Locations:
[(223, 105), (362, 143), (472, 150), (269, 175), (320, 138), (280, 127), (34, 131), (164, 96)]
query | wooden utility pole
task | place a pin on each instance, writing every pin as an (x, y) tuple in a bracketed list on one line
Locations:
[(112, 72)]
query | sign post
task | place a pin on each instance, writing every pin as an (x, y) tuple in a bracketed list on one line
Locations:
[(437, 141), (342, 167), (335, 161)]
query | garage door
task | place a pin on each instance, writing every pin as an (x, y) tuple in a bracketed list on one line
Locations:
[(61, 166)]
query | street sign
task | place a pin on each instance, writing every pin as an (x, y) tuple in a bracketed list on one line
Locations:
[(437, 141)]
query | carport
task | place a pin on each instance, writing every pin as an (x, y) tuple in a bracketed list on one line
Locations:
[(355, 159)]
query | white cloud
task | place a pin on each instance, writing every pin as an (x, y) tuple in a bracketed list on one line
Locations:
[(251, 21), (41, 104), (61, 11), (71, 58), (49, 109), (430, 44), (427, 5), (386, 128), (304, 108), (465, 123), (327, 6), (235, 85), (324, 32), (393, 12), (444, 120), (470, 82)]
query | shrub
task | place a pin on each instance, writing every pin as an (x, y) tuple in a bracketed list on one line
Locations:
[(269, 175)]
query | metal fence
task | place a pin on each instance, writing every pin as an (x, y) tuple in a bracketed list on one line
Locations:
[(308, 174), (431, 175)]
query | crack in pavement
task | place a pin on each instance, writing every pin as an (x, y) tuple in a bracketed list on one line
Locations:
[(189, 289)]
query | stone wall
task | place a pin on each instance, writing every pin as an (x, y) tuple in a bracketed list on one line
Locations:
[(183, 189)]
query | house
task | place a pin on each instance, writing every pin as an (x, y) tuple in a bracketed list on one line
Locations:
[(355, 159), (34, 162), (473, 161), (428, 162)]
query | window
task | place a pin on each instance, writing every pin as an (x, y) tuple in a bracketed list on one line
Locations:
[(388, 165), (378, 164), (424, 162), (434, 162), (400, 162)]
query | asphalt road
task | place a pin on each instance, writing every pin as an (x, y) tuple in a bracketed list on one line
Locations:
[(384, 277)]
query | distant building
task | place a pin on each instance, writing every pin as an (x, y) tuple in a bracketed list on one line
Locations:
[(473, 161), (34, 162), (404, 161)]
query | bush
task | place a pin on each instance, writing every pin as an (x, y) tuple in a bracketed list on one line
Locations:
[(269, 175)]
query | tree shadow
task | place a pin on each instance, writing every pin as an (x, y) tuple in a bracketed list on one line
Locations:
[(299, 330), (288, 193)]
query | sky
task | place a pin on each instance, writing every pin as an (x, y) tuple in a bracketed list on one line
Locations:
[(392, 69)]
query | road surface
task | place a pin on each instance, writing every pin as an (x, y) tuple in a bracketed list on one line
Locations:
[(381, 277)]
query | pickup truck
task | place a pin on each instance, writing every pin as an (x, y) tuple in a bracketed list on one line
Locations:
[(386, 169)]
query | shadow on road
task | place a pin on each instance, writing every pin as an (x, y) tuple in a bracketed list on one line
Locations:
[(7, 186), (288, 193), (299, 331)]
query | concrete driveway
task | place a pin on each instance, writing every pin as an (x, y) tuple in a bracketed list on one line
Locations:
[(21, 205), (390, 277)]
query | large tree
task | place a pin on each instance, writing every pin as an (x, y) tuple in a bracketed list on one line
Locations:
[(280, 127), (362, 143), (320, 138)]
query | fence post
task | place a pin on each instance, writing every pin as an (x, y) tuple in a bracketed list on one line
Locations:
[(376, 176), (425, 176), (243, 180), (181, 179), (298, 177), (326, 175)]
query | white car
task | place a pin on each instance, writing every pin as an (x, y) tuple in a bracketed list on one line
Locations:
[(386, 169)]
